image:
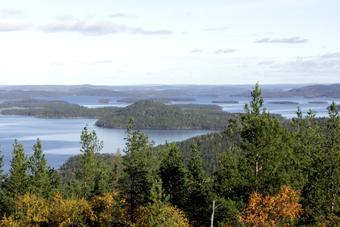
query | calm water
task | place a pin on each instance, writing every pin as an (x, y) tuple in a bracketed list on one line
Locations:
[(61, 136)]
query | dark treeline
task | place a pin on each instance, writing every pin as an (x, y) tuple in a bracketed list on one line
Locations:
[(264, 173)]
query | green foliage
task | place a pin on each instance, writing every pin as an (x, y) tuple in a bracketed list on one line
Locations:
[(157, 115), (18, 180), (174, 176), (199, 197), (39, 171), (53, 109), (89, 173), (140, 171)]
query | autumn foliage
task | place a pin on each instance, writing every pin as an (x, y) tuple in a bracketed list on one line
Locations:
[(281, 209), (31, 210)]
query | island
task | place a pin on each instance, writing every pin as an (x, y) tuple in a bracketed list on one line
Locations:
[(318, 102), (284, 103), (157, 115), (225, 101), (104, 101), (52, 109)]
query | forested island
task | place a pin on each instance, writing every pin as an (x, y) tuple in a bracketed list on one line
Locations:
[(284, 102), (52, 109), (225, 101), (157, 115), (261, 171)]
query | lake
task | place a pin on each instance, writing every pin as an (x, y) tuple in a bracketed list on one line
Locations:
[(61, 136), (288, 110)]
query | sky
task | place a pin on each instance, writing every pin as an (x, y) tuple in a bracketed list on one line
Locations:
[(109, 42)]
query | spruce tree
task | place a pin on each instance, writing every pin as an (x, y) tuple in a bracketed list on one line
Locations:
[(90, 146), (39, 170), (230, 188), (199, 198), (173, 174), (18, 180), (140, 171)]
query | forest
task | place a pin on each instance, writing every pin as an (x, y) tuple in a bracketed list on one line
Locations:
[(148, 114), (260, 171)]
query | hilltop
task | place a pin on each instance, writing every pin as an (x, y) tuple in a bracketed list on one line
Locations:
[(157, 115)]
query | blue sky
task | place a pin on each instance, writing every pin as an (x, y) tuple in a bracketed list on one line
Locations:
[(169, 42)]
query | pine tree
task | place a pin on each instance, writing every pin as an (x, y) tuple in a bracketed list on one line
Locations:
[(39, 171), (265, 148), (90, 146), (173, 174), (140, 171)]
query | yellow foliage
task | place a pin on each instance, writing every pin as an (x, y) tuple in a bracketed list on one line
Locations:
[(9, 222), (66, 212), (109, 209), (162, 216), (32, 209), (280, 209)]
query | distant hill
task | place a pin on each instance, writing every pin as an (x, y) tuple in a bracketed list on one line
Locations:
[(312, 91), (157, 115), (332, 91)]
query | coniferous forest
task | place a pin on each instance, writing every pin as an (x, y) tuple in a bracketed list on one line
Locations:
[(260, 171)]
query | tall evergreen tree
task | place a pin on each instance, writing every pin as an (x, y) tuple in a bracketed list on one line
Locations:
[(90, 146), (199, 198), (265, 148), (18, 180), (39, 170), (140, 170), (173, 174)]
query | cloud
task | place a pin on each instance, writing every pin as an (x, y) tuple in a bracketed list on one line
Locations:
[(265, 62), (122, 15), (214, 29), (9, 12), (331, 55), (224, 51), (196, 51), (290, 40), (10, 26), (90, 27), (310, 65)]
